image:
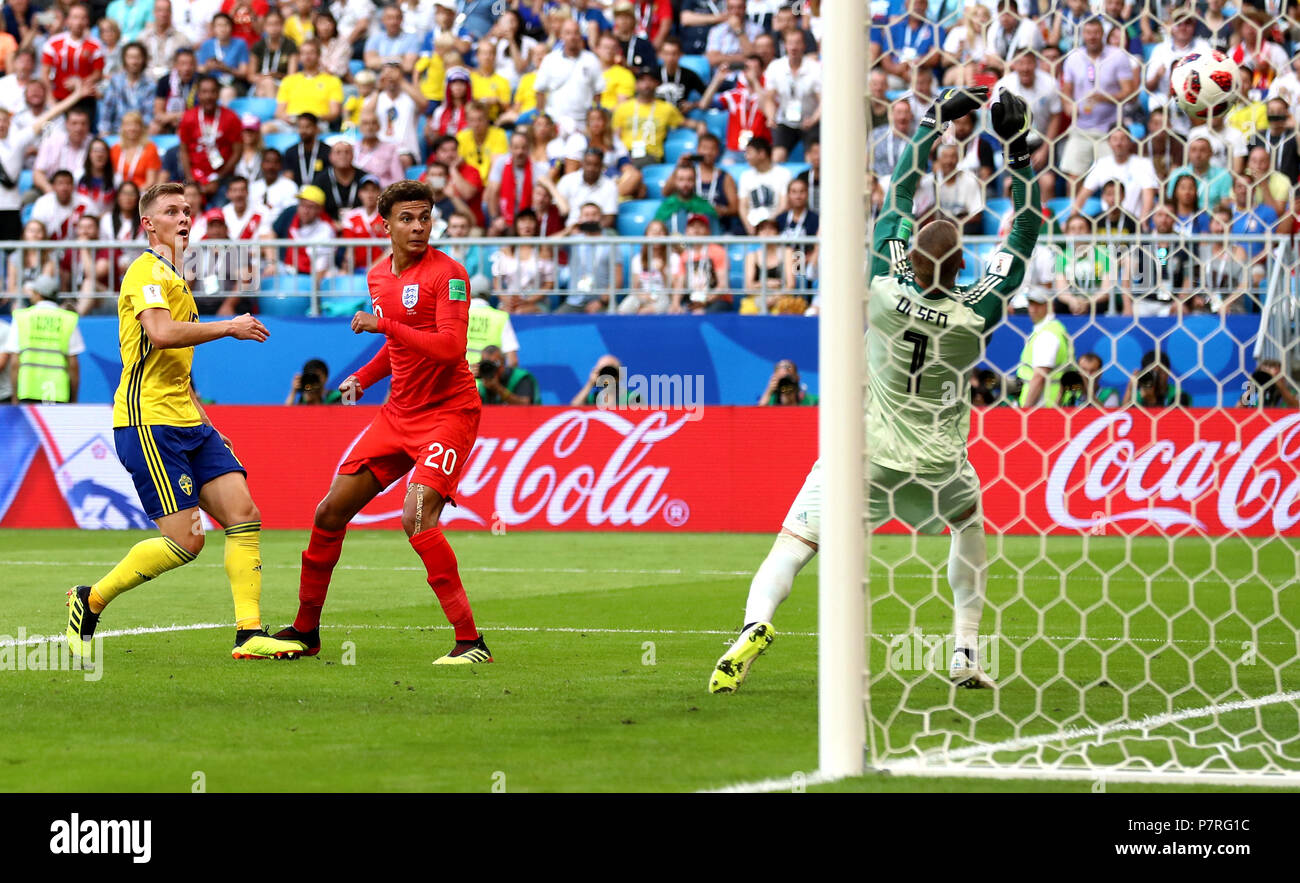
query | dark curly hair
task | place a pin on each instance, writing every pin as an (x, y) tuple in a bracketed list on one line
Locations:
[(403, 191)]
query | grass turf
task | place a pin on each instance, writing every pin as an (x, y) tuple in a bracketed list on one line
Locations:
[(604, 643)]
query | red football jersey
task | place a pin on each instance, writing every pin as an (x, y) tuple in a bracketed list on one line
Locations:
[(424, 313), (209, 140), (357, 225), (67, 57)]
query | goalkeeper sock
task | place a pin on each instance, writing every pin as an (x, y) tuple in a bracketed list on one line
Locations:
[(968, 575), (146, 560), (771, 584), (323, 550), (244, 569), (444, 578)]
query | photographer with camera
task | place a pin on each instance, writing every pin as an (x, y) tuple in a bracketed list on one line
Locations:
[(502, 384), (309, 386), (1269, 388), (785, 388)]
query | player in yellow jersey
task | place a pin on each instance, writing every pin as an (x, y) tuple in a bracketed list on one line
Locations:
[(179, 462)]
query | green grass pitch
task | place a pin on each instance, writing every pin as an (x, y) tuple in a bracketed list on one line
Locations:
[(604, 643)]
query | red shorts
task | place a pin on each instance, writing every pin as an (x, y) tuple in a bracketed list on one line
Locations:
[(436, 443)]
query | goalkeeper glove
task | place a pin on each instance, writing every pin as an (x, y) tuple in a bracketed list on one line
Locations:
[(1011, 122), (953, 103)]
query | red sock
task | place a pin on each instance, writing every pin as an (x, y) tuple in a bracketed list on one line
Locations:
[(440, 564), (317, 567)]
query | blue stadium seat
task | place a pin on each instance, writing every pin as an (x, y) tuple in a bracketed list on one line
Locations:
[(732, 158), (414, 173), (356, 66), (1060, 208), (654, 178), (699, 64), (1137, 130), (716, 122), (26, 214), (736, 264), (111, 140), (994, 211), (1092, 207), (344, 295), (165, 143), (281, 141), (796, 155), (526, 118), (287, 299), (24, 180), (795, 168), (262, 108), (634, 214), (1147, 49), (894, 94), (679, 143)]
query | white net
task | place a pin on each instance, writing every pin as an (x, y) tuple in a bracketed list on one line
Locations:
[(1134, 428)]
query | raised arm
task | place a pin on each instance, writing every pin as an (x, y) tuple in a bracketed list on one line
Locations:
[(894, 226)]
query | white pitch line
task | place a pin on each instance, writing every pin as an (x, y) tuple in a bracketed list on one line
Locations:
[(1150, 722)]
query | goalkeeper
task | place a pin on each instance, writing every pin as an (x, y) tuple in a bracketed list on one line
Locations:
[(925, 335)]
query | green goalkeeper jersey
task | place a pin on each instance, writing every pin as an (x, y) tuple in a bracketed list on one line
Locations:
[(922, 347)]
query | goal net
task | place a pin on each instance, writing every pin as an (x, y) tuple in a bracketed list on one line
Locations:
[(1134, 430)]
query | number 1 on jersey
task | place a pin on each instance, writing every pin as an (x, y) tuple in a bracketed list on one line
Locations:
[(920, 343)]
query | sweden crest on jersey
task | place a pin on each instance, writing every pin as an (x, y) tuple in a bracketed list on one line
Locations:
[(410, 294)]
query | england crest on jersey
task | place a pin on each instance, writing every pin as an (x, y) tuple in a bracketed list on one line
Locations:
[(410, 294)]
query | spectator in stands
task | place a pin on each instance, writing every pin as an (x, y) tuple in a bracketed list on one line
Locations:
[(1213, 181), (500, 383), (311, 386), (1096, 81), (1252, 221), (30, 266), (1065, 32), (128, 90), (569, 79), (463, 179), (654, 266), (73, 56), (550, 220), (1012, 36), (1279, 140), (744, 104), (1046, 355), (731, 41), (486, 84), (812, 176), (561, 153), (1270, 388), (921, 96), (366, 83), (1136, 173), (703, 279), (445, 203), (886, 146), (243, 218), (1041, 94), (1092, 392), (588, 185), (523, 274), (335, 50), (1269, 187), (305, 160), (595, 272), (275, 189), (481, 144), (110, 38), (769, 271), (225, 57), (713, 183), (130, 16), (950, 192), (514, 47), (696, 20), (510, 183), (1181, 42), (907, 42), (765, 49), (274, 56), (797, 221), (310, 89), (1189, 218), (340, 180), (363, 222), (619, 83), (390, 44), (637, 47), (1165, 150), (618, 165), (762, 187), (794, 97), (250, 152), (966, 48), (472, 258), (65, 149), (785, 388), (306, 223), (1161, 276), (162, 40), (211, 139), (644, 122), (13, 85), (16, 139), (398, 105), (1226, 267), (175, 93), (1085, 280), (449, 117), (684, 203), (198, 206), (95, 183), (375, 156), (679, 86), (1154, 385), (1227, 143), (604, 387)]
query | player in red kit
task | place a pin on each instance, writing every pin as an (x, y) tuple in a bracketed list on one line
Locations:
[(421, 305)]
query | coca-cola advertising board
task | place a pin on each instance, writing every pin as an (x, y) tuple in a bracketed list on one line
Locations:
[(1198, 471)]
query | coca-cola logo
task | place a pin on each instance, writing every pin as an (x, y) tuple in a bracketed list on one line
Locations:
[(552, 474), (1122, 470)]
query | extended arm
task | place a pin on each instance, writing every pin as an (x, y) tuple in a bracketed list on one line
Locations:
[(443, 346), (166, 333)]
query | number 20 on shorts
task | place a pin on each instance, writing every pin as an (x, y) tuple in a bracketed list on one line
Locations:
[(441, 457)]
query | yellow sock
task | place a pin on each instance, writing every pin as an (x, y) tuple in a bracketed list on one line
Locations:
[(146, 560), (244, 568)]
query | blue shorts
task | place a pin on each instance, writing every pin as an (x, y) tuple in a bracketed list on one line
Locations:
[(171, 464)]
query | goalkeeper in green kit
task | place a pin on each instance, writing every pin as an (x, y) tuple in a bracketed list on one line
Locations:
[(925, 334)]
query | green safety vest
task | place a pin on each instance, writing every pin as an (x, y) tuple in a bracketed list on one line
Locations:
[(44, 336), (1064, 356), (516, 377), (486, 325)]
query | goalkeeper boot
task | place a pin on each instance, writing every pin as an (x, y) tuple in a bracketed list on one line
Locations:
[(734, 665), (466, 653), (964, 671), (310, 641), (257, 644), (81, 622)]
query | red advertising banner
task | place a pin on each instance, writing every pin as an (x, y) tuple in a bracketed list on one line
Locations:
[(1210, 471)]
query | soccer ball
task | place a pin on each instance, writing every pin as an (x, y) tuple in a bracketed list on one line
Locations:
[(1204, 83)]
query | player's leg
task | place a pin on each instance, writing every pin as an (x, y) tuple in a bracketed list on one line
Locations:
[(439, 459), (159, 472), (224, 494), (793, 548), (959, 499)]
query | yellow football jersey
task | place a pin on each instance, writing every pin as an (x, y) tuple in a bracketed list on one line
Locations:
[(155, 384)]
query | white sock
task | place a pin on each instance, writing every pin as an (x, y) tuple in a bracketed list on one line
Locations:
[(968, 576), (771, 584)]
